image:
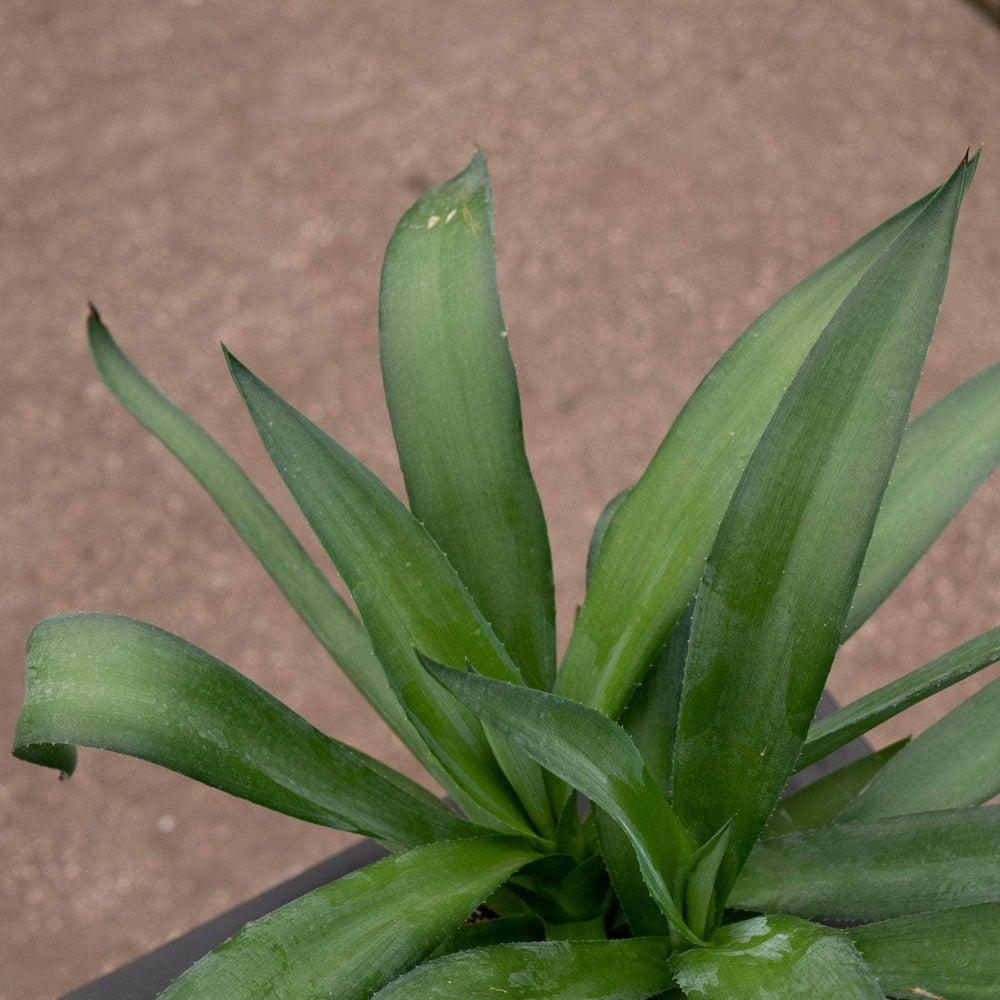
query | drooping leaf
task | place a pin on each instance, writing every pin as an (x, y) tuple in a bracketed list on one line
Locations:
[(954, 763), (872, 869), (819, 803), (654, 551), (947, 953), (778, 958), (409, 597), (349, 938), (255, 520), (594, 755), (855, 719), (946, 454), (122, 685), (552, 970), (456, 417), (779, 580)]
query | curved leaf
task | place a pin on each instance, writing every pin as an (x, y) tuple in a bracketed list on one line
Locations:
[(123, 685), (946, 454), (855, 719), (954, 763), (351, 937), (879, 868), (594, 755), (655, 548), (948, 953), (456, 415), (777, 957), (552, 970), (257, 523), (779, 580), (409, 597)]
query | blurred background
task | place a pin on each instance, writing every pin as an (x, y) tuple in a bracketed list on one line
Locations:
[(209, 170)]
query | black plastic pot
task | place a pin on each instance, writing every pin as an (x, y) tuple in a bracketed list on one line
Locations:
[(145, 977)]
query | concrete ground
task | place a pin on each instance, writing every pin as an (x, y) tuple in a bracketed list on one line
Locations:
[(207, 171)]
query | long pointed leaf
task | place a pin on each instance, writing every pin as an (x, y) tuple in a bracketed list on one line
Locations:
[(123, 685), (351, 937), (948, 953), (594, 755), (255, 520), (822, 801), (879, 868), (552, 970), (777, 957), (865, 713), (409, 597), (655, 548), (954, 763), (456, 416), (946, 454), (778, 583)]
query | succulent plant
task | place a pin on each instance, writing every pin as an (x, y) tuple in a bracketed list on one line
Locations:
[(617, 824)]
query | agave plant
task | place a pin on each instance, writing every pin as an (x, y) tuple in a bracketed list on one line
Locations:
[(618, 824)]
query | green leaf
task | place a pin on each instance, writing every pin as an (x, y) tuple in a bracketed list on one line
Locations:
[(552, 970), (954, 763), (651, 716), (819, 803), (775, 957), (655, 548), (697, 879), (409, 597), (456, 416), (950, 953), (879, 868), (496, 930), (123, 685), (593, 754), (601, 529), (865, 713), (779, 580), (644, 916), (946, 454), (349, 938), (268, 537)]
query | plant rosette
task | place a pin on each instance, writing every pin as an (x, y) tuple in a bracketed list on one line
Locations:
[(782, 507)]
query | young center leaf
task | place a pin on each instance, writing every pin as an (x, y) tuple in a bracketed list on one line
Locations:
[(122, 685), (594, 755), (778, 583), (456, 416)]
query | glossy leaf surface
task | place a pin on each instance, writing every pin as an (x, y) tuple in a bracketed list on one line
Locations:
[(949, 953), (349, 938), (865, 713), (122, 685), (879, 868), (257, 523), (954, 763), (654, 551), (409, 597), (592, 754), (776, 958), (550, 970), (456, 416), (779, 580), (946, 454)]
